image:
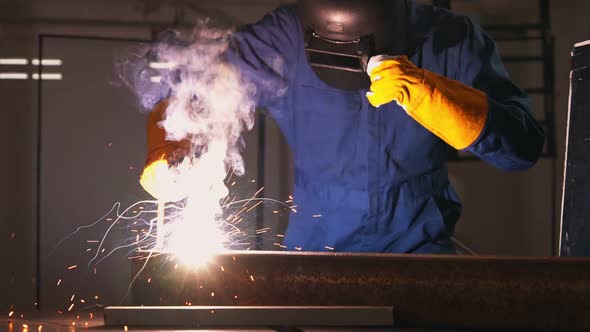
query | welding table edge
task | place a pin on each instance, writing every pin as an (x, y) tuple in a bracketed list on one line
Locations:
[(249, 316)]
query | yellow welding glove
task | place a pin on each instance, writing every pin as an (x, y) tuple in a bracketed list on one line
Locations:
[(158, 178), (449, 109)]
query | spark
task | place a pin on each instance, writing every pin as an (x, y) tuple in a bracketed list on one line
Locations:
[(254, 206), (212, 294), (72, 298), (329, 248), (10, 313), (58, 282), (280, 235), (125, 328), (25, 326), (72, 267), (40, 328), (316, 216), (71, 307), (252, 278)]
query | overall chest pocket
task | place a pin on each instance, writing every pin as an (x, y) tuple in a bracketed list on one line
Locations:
[(328, 127)]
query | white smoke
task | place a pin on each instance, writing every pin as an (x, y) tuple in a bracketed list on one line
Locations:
[(211, 102), (211, 105)]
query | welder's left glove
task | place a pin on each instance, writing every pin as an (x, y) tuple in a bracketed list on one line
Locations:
[(160, 176), (449, 109)]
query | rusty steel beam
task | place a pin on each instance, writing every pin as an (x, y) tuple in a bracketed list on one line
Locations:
[(426, 291)]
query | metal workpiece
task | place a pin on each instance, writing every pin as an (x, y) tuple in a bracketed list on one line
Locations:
[(248, 316), (426, 291)]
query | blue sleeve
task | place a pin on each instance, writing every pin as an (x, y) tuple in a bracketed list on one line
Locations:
[(512, 138), (265, 53)]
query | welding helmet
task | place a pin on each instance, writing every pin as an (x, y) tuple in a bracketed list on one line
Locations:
[(341, 36)]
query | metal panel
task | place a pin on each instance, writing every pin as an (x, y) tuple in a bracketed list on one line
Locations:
[(426, 291), (575, 237)]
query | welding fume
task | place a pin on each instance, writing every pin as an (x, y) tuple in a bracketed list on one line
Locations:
[(369, 95)]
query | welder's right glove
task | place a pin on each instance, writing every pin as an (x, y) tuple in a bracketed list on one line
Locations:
[(158, 178)]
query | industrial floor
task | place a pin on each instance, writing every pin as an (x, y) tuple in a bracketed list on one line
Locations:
[(55, 324)]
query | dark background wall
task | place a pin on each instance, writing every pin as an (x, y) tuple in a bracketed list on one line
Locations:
[(505, 214)]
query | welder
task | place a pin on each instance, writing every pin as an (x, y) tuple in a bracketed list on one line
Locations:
[(377, 91)]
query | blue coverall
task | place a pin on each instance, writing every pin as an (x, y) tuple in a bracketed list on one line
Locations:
[(377, 177)]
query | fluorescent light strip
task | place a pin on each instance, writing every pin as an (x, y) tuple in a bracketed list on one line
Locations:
[(14, 62), (156, 79), (48, 76), (162, 65), (47, 62), (14, 76)]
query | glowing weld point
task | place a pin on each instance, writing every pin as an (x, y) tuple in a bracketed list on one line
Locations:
[(125, 328), (40, 328), (25, 326)]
